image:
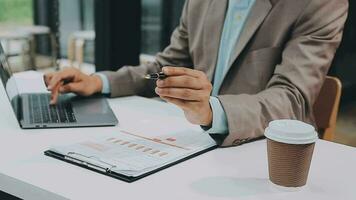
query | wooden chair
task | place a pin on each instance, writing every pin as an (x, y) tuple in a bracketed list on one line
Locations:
[(326, 107)]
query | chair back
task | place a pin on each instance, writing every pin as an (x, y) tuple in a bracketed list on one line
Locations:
[(326, 107)]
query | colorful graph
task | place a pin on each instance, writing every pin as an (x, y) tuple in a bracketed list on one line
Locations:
[(134, 146)]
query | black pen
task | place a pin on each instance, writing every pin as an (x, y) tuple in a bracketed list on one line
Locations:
[(156, 76)]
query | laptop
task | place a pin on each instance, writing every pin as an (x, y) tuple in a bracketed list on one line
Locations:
[(33, 110)]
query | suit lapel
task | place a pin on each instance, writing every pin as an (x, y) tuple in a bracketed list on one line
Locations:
[(258, 13)]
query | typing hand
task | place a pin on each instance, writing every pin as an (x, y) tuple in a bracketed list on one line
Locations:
[(71, 80), (190, 90)]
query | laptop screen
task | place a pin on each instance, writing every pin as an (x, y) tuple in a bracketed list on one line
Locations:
[(9, 84), (4, 68)]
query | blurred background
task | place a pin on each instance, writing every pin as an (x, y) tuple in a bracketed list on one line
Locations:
[(96, 35)]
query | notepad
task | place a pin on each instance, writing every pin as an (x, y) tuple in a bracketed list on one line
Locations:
[(130, 155)]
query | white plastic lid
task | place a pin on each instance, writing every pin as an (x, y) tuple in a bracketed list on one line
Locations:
[(291, 132)]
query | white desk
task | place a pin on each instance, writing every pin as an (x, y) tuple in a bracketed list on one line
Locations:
[(231, 173)]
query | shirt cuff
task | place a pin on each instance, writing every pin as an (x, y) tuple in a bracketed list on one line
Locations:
[(220, 124), (106, 84)]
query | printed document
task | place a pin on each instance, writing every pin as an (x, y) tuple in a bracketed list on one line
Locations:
[(134, 153)]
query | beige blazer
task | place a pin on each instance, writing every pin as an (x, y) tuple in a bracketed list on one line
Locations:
[(278, 67)]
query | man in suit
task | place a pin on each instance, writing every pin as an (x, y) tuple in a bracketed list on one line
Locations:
[(233, 65)]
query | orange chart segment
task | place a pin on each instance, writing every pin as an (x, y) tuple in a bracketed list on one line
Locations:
[(131, 145)]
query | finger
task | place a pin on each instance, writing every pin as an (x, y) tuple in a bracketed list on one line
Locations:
[(180, 82), (47, 78), (179, 71), (55, 94), (179, 93), (180, 103), (72, 87), (66, 75)]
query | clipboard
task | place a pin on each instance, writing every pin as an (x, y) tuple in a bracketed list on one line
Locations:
[(105, 168)]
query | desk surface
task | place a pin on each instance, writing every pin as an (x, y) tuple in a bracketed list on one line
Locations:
[(230, 173)]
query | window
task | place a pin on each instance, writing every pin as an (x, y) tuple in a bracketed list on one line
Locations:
[(151, 26), (14, 16), (159, 19), (76, 16), (15, 12)]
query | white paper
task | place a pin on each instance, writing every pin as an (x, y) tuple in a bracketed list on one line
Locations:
[(134, 154)]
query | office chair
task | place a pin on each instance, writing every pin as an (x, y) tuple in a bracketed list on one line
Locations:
[(326, 107)]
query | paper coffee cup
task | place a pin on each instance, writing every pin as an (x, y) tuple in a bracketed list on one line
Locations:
[(290, 146)]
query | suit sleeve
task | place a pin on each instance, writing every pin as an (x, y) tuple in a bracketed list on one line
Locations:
[(297, 80), (128, 80)]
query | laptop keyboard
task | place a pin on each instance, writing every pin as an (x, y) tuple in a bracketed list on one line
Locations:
[(42, 112)]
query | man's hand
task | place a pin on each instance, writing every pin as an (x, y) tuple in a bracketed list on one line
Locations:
[(72, 80), (190, 90)]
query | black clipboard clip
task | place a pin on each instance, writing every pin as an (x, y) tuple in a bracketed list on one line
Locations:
[(89, 161)]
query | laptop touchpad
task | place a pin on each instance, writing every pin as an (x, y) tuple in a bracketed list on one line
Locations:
[(90, 106)]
